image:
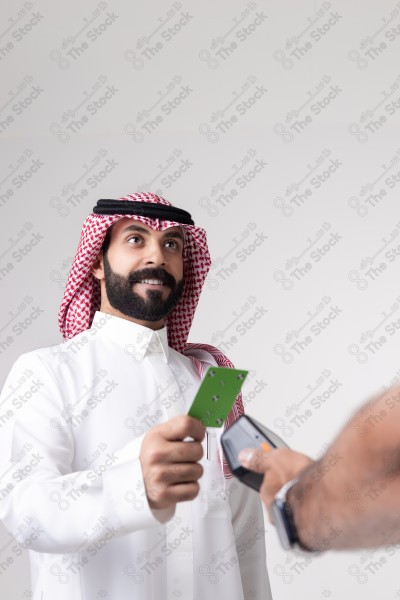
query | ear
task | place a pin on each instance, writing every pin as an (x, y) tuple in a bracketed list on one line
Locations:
[(97, 269)]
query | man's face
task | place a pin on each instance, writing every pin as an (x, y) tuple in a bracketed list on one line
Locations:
[(143, 270)]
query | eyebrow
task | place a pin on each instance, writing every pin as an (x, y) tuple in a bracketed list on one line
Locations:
[(172, 234)]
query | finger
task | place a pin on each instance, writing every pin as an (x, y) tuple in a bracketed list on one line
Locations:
[(254, 460), (181, 492), (272, 483), (291, 461), (268, 490), (165, 452), (162, 497), (181, 473), (178, 428), (183, 452)]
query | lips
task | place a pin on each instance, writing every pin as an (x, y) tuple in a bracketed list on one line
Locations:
[(154, 277)]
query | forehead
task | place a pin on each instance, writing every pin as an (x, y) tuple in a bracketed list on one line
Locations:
[(121, 228)]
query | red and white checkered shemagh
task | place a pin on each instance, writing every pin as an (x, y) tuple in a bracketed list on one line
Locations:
[(82, 293)]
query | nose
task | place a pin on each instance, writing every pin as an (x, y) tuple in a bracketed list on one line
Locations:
[(155, 254)]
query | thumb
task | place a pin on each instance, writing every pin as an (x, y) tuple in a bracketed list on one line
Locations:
[(253, 459)]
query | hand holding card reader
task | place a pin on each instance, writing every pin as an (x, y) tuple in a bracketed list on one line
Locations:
[(246, 432)]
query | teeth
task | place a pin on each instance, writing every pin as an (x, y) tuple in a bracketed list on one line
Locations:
[(152, 281)]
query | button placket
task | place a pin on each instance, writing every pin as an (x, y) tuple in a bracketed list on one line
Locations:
[(170, 397)]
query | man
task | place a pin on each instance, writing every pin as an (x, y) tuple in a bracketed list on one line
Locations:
[(347, 499), (116, 492)]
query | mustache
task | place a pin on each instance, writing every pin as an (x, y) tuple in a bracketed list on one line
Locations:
[(160, 274)]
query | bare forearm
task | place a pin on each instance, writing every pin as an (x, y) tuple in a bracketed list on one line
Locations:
[(351, 497)]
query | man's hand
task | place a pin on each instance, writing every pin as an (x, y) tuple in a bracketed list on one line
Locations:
[(170, 468), (279, 466)]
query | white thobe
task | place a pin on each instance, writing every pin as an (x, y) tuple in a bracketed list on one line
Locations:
[(72, 420)]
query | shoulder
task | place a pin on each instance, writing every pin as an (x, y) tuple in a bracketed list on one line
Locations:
[(27, 375), (33, 357), (49, 358)]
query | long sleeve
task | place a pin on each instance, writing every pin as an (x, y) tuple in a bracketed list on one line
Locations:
[(44, 502), (248, 526)]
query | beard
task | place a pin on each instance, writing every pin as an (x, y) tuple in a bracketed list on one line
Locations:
[(151, 308)]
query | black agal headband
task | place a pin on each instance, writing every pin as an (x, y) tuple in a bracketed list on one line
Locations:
[(144, 209)]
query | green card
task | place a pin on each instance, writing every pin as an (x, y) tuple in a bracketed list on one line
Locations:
[(216, 395)]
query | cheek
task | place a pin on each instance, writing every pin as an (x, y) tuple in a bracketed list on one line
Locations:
[(122, 262)]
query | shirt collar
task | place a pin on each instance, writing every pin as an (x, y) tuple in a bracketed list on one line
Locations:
[(137, 340)]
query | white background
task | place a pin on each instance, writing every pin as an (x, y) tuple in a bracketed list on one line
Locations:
[(271, 122)]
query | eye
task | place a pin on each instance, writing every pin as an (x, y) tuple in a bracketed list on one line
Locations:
[(172, 244), (135, 239)]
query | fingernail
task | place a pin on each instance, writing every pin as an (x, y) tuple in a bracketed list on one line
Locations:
[(245, 455)]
